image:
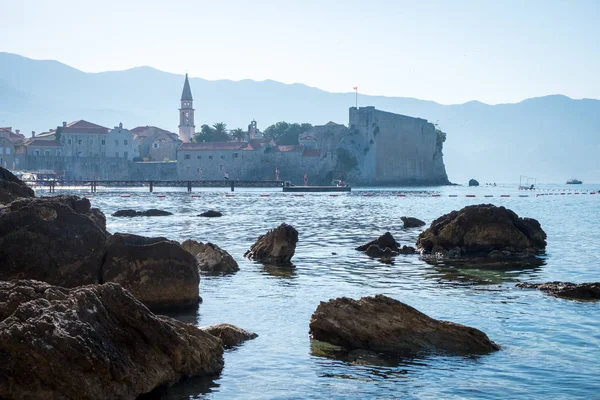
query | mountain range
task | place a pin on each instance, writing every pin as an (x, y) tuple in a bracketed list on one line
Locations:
[(552, 138)]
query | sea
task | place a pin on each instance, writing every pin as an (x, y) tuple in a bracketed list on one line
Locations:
[(550, 347)]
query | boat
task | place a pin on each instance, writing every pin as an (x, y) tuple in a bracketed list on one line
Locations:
[(297, 189), (574, 182)]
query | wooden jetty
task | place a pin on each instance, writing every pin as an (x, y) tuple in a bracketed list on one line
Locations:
[(316, 189), (95, 184)]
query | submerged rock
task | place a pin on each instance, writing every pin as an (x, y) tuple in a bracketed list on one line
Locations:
[(211, 214), (383, 324), (210, 257), (483, 231), (93, 342), (12, 188), (410, 222), (157, 271), (231, 335), (276, 247), (384, 241), (567, 290), (59, 240), (147, 213)]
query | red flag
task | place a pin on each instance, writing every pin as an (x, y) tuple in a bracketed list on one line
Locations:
[(355, 87)]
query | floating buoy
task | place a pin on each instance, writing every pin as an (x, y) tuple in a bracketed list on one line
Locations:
[(333, 195), (161, 196), (264, 195), (435, 195), (563, 193), (505, 195), (125, 195), (230, 195), (489, 195), (88, 197), (367, 195), (195, 196), (523, 195), (470, 195), (453, 195), (400, 195), (299, 195)]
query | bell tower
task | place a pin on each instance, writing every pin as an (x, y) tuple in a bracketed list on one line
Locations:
[(186, 113)]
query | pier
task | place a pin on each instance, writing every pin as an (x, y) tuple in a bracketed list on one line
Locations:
[(95, 184)]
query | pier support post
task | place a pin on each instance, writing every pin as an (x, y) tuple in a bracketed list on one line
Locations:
[(189, 186), (151, 186), (232, 186)]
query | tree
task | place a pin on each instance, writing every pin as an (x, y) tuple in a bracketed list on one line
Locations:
[(238, 134), (215, 133), (285, 133)]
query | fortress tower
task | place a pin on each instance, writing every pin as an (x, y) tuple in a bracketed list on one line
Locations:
[(186, 113)]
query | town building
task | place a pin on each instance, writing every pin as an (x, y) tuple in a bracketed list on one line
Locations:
[(186, 113), (156, 144)]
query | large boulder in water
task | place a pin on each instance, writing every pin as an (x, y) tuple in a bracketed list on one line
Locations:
[(210, 257), (93, 342), (473, 182), (384, 241), (483, 230), (567, 290), (12, 188), (411, 222), (153, 212), (157, 271), (276, 247), (59, 240), (231, 335), (383, 324)]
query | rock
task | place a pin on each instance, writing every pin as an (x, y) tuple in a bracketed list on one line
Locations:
[(377, 252), (93, 342), (384, 241), (410, 222), (407, 250), (210, 257), (147, 213), (483, 231), (567, 290), (98, 217), (58, 240), (473, 182), (230, 335), (157, 271), (276, 247), (210, 214), (383, 324), (12, 188)]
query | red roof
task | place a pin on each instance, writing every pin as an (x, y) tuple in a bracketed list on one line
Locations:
[(311, 153), (15, 138), (286, 149), (43, 143), (207, 146), (83, 126)]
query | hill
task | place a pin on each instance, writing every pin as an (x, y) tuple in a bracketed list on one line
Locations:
[(553, 138)]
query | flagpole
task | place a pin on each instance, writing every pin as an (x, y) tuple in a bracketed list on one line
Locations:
[(356, 93)]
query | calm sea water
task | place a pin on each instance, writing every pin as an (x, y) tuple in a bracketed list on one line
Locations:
[(550, 346)]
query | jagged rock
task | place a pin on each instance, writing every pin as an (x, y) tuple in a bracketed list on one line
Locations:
[(277, 247), (384, 241), (410, 222), (484, 231), (231, 335), (98, 217), (157, 271), (210, 257), (383, 324), (473, 182), (211, 214), (407, 250), (377, 252), (567, 290), (59, 240), (93, 342), (12, 188), (147, 213)]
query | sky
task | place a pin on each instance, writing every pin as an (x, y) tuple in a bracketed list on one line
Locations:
[(446, 51)]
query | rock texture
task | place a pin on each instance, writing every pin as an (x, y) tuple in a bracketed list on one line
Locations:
[(147, 213), (157, 271), (211, 214), (410, 222), (384, 241), (276, 247), (385, 247), (12, 188), (386, 325), (482, 230), (473, 182), (567, 290), (93, 342), (231, 335), (59, 240), (210, 257)]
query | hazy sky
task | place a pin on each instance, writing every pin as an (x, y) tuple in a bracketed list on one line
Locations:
[(449, 51)]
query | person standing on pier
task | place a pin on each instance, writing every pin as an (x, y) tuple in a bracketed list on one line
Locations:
[(200, 173), (276, 173), (226, 175), (305, 180)]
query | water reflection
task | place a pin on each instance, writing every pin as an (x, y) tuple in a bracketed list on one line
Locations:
[(284, 272), (189, 388), (474, 274)]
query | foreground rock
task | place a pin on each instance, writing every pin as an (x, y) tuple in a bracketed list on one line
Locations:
[(410, 222), (210, 257), (93, 342), (12, 188), (59, 240), (276, 247), (157, 271), (383, 324), (211, 214), (567, 290), (147, 213), (473, 182), (483, 231), (231, 335)]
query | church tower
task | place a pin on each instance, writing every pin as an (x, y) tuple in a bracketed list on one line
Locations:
[(186, 113)]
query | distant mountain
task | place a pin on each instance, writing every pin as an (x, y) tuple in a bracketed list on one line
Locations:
[(552, 138)]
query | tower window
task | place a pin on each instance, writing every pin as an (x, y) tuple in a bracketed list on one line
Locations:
[(187, 157), (235, 155), (155, 145), (222, 157), (69, 141), (125, 142), (79, 141), (199, 157), (210, 157), (103, 142)]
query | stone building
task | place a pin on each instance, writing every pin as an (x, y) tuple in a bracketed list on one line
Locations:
[(186, 113), (120, 144), (9, 144), (156, 144)]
